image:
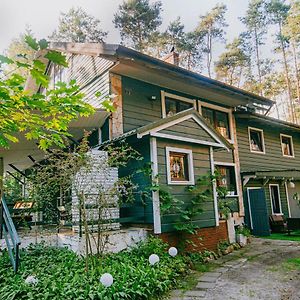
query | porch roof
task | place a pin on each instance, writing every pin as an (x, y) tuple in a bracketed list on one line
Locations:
[(153, 128), (25, 153), (276, 174)]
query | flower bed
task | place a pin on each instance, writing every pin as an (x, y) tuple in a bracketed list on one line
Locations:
[(61, 274)]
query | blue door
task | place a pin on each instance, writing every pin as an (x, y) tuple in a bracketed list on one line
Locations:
[(257, 212)]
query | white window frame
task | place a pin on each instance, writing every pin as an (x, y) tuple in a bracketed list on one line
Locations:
[(275, 184), (262, 140), (227, 164), (222, 109), (189, 152), (292, 145), (175, 97)]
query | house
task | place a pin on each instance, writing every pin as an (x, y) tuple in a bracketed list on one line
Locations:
[(185, 125), (269, 153)]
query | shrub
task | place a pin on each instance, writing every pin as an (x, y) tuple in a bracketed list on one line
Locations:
[(61, 274)]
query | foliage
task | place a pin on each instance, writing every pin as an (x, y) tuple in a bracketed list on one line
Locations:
[(242, 229), (61, 274), (12, 188), (138, 21), (78, 26), (44, 117)]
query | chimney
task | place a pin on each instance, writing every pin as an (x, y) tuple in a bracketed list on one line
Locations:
[(172, 58)]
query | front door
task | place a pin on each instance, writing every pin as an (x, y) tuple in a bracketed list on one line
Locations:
[(258, 214)]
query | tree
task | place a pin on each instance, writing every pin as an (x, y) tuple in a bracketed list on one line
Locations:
[(19, 49), (138, 21), (211, 28), (255, 21), (277, 15), (44, 117), (79, 27), (231, 64)]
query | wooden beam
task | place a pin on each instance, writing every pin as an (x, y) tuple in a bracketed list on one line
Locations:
[(16, 169), (15, 177)]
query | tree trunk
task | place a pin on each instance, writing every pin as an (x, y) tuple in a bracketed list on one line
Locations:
[(296, 70), (257, 59)]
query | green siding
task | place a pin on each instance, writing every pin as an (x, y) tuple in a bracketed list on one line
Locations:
[(201, 167), (273, 158), (142, 212), (222, 155), (190, 129), (283, 197)]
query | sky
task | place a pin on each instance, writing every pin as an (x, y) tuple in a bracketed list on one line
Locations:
[(42, 15)]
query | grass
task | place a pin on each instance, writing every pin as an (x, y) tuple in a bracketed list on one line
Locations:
[(294, 236)]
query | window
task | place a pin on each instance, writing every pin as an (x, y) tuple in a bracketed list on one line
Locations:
[(256, 140), (226, 179), (275, 199), (218, 119), (179, 166), (173, 104), (287, 145)]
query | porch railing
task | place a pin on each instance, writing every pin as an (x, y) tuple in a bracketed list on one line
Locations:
[(9, 232)]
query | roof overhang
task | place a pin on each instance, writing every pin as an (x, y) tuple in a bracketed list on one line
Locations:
[(18, 153)]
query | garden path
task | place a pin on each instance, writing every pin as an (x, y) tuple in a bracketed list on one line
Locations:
[(258, 271)]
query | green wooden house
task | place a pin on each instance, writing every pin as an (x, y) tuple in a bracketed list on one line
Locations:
[(185, 125)]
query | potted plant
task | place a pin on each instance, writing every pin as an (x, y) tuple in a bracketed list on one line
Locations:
[(242, 234)]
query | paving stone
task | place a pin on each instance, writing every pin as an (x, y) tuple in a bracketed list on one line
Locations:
[(221, 270), (205, 285), (176, 293), (207, 278), (213, 274), (195, 294)]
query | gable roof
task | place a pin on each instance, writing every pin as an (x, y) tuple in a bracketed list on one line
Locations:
[(129, 62), (156, 129)]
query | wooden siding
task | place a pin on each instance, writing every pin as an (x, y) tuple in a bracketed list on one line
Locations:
[(223, 155), (201, 167), (273, 158), (283, 196), (190, 129), (141, 210)]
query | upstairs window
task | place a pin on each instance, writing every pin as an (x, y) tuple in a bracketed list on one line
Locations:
[(287, 145), (226, 179), (173, 104), (217, 119), (256, 140)]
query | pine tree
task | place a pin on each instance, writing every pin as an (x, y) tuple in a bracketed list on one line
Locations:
[(79, 27), (138, 22)]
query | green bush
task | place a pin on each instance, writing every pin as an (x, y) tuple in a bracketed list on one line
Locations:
[(61, 274)]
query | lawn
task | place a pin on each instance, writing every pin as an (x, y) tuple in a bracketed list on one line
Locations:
[(294, 236), (61, 274)]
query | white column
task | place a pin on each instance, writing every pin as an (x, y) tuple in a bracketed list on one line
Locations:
[(214, 184)]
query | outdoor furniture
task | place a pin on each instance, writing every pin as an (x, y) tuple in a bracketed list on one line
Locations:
[(277, 223), (293, 224), (21, 213)]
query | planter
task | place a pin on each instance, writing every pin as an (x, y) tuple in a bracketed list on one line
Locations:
[(241, 239)]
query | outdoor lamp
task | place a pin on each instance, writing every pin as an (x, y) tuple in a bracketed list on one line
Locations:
[(31, 280), (106, 279), (173, 251), (153, 259), (292, 185)]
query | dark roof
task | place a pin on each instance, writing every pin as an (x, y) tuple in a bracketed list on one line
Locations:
[(263, 118)]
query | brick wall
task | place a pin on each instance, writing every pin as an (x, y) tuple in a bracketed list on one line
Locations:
[(205, 239)]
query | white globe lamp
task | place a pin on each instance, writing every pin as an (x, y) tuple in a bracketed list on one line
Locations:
[(153, 259), (107, 280), (173, 251)]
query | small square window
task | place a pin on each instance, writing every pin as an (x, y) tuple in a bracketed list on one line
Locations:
[(179, 166), (287, 145), (256, 139)]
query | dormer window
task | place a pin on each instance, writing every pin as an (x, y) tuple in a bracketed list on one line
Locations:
[(173, 104)]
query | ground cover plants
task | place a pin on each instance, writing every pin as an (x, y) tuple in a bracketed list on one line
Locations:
[(61, 274), (293, 236)]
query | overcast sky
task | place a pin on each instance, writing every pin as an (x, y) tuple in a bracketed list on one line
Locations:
[(42, 15)]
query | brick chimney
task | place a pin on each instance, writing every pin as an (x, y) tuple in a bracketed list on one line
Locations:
[(172, 58)]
